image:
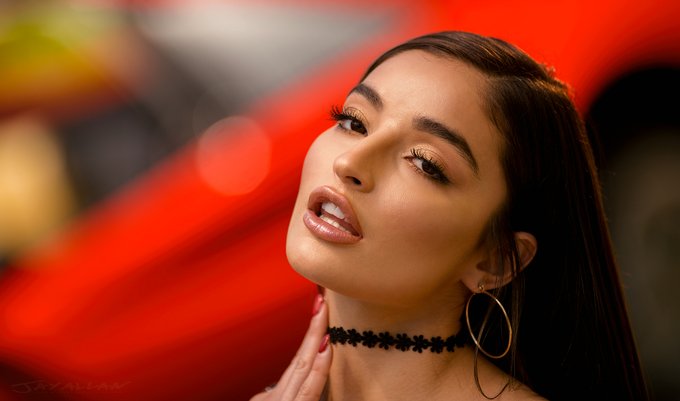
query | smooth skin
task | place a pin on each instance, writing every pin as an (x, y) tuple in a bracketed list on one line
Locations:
[(423, 250), (423, 240)]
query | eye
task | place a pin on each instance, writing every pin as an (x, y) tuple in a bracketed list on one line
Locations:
[(352, 125), (348, 120), (427, 166)]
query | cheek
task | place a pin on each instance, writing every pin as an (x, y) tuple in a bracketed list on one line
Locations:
[(428, 238), (318, 165), (429, 218), (317, 170)]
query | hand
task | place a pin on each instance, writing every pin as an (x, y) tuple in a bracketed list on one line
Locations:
[(306, 376)]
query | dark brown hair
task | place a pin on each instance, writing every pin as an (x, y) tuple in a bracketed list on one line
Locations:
[(573, 336)]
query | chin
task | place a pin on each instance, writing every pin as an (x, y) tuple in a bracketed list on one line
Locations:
[(305, 261), (314, 261), (304, 264), (301, 256)]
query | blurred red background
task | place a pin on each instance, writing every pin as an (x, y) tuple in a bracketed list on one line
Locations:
[(149, 159)]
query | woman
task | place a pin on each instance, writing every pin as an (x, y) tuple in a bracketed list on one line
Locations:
[(454, 218)]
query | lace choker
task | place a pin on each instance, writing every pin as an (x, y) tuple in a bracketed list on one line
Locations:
[(403, 342)]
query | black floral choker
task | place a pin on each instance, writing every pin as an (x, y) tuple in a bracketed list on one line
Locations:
[(402, 342)]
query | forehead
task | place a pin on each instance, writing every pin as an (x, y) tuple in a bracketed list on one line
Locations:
[(417, 83), (416, 77)]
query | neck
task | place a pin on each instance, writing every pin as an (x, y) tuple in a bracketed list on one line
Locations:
[(377, 374)]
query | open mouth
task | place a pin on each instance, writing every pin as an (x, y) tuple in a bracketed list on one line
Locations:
[(331, 217)]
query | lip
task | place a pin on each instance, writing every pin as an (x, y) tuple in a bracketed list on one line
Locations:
[(324, 230)]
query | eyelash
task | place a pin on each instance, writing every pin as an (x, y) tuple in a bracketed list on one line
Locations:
[(438, 174), (340, 116), (344, 115)]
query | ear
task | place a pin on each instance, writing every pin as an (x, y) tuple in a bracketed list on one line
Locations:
[(492, 273)]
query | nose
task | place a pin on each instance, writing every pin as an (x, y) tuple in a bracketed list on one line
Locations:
[(355, 167)]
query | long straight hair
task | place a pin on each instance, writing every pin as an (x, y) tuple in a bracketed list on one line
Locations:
[(573, 336)]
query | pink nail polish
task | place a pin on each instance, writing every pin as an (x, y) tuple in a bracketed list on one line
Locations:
[(324, 343), (317, 304)]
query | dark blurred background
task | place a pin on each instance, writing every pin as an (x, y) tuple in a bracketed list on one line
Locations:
[(149, 158)]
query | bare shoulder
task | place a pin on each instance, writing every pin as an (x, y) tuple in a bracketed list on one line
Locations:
[(493, 378), (487, 382), (520, 392)]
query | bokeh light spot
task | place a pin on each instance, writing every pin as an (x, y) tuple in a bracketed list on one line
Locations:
[(233, 156)]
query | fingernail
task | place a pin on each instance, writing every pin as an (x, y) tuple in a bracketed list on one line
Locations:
[(324, 343), (317, 304)]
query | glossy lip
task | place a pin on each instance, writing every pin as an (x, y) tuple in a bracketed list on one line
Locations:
[(322, 229)]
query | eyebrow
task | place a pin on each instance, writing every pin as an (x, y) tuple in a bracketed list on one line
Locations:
[(425, 124), (438, 129), (369, 93)]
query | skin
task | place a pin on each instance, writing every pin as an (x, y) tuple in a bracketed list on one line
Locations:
[(407, 219), (423, 245)]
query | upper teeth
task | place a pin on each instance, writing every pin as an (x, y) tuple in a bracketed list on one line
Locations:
[(333, 209)]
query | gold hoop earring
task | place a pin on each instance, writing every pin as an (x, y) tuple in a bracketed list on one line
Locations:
[(474, 338), (479, 346), (479, 386)]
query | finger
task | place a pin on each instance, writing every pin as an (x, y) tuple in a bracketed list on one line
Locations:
[(259, 397), (299, 369), (314, 384), (303, 360), (291, 367)]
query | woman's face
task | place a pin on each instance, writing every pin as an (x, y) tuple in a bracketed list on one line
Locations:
[(395, 198)]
